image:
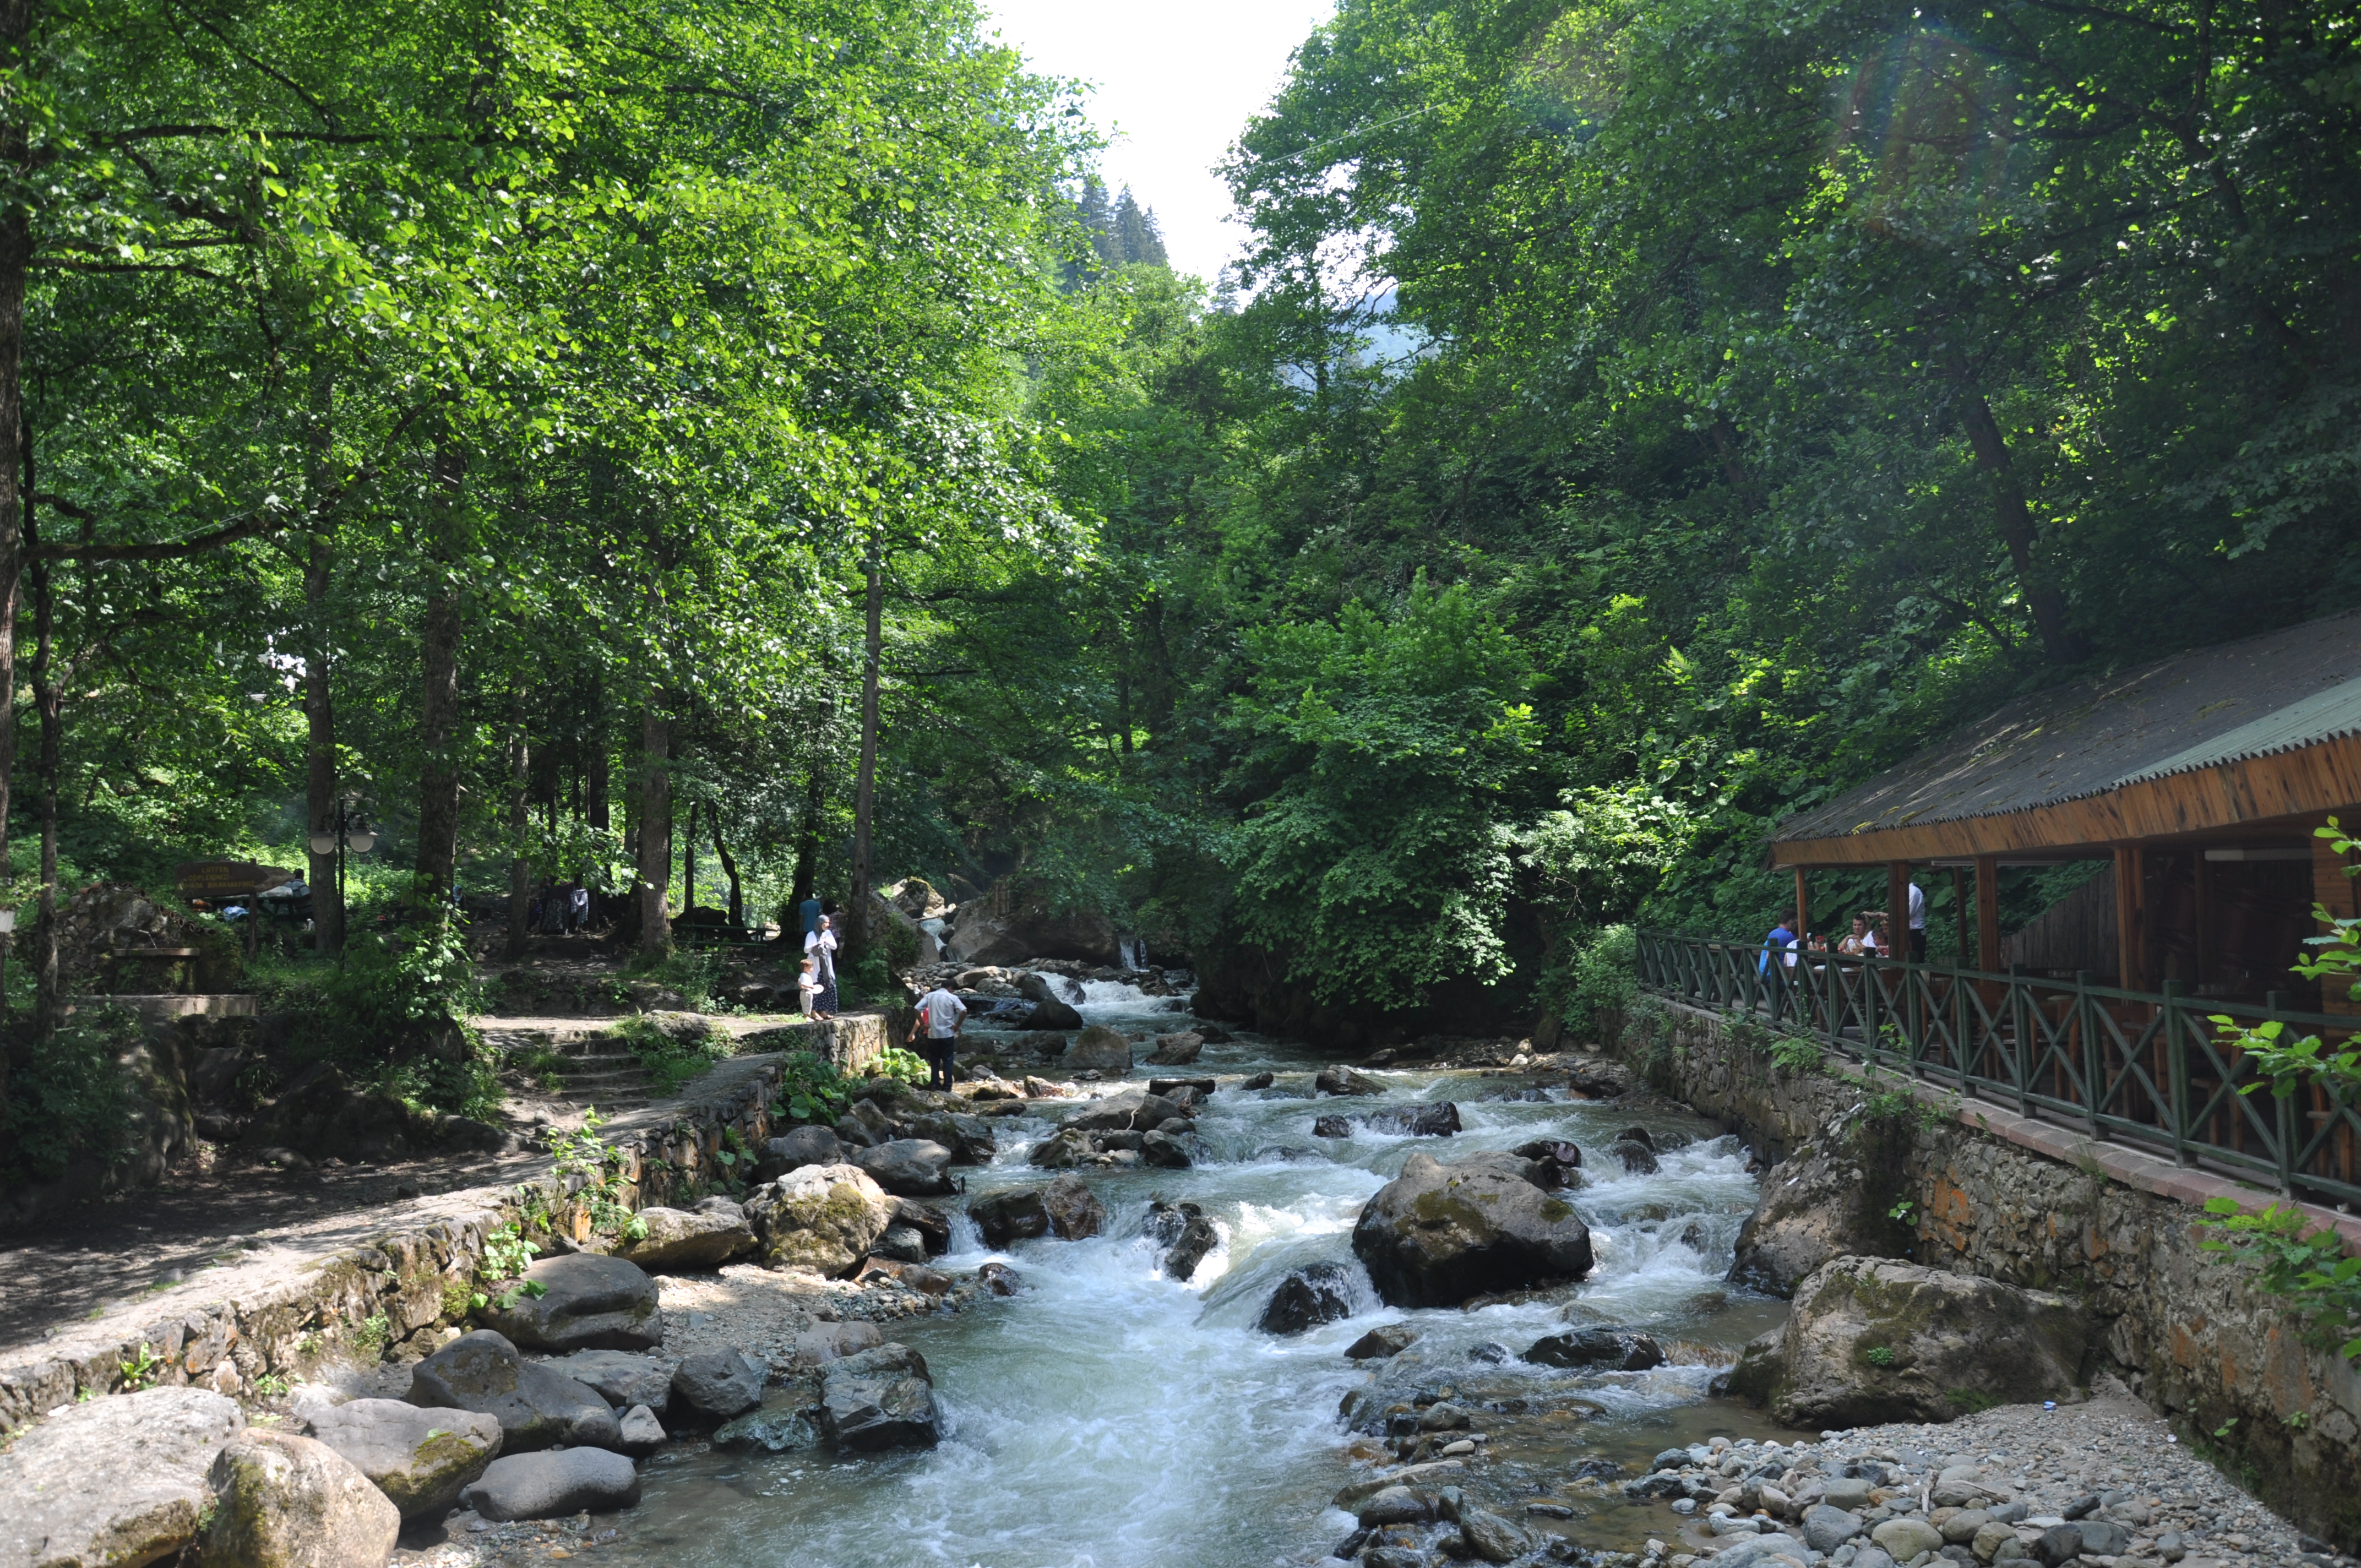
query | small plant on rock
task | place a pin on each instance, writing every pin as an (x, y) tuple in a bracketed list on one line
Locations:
[(506, 1254), (2306, 1267), (600, 1167), (811, 1090), (894, 1062), (1797, 1055), (371, 1337), (1879, 1355), (142, 1370)]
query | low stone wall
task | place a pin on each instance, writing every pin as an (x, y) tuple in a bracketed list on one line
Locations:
[(395, 1277), (2034, 1204)]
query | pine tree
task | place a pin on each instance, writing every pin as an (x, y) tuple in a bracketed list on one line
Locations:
[(1136, 235)]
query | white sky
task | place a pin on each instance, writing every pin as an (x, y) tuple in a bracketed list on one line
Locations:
[(1175, 85)]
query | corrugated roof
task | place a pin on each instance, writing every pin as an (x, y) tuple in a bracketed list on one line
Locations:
[(2263, 694)]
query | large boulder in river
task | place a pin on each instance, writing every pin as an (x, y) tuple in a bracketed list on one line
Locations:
[(910, 1168), (718, 1383), (587, 1303), (1611, 1350), (420, 1459), (1873, 1340), (1073, 1209), (1438, 1233), (1814, 1206), (536, 1407), (120, 1481), (795, 1150), (1051, 1011), (1315, 1294), (1344, 1080), (681, 1238), (822, 1217), (284, 1501), (1436, 1120), (619, 1377), (1132, 1110), (1002, 1218), (879, 1398), (551, 1486), (1098, 1049)]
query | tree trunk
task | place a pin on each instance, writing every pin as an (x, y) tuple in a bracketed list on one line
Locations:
[(520, 821), (47, 704), (729, 870), (688, 863), (438, 784), (808, 840), (594, 761), (864, 796), (320, 749), (656, 829), (2016, 520)]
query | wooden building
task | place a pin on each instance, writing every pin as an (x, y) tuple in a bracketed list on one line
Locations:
[(2198, 779)]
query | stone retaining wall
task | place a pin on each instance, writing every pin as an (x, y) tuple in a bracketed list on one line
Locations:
[(2035, 1204), (408, 1272)]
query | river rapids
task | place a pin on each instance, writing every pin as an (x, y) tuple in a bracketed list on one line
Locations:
[(1108, 1417)]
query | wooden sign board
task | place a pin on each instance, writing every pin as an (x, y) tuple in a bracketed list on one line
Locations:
[(225, 879)]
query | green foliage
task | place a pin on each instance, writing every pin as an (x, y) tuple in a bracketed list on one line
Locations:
[(894, 1062), (1879, 1355), (2306, 1267), (370, 1338), (1592, 984), (67, 1101), (1797, 1054), (670, 1058), (142, 1370), (599, 1165), (812, 1089)]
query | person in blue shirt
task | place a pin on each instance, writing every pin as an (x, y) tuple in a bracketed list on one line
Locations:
[(1779, 951), (808, 911)]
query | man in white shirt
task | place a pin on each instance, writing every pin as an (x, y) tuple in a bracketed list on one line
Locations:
[(1918, 924), (942, 1016)]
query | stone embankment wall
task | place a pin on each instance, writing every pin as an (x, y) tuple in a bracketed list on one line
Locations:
[(2034, 1204), (407, 1274)]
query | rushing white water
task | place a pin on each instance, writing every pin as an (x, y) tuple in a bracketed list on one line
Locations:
[(1109, 1416)]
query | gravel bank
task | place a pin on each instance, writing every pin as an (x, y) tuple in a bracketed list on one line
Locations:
[(2002, 1486)]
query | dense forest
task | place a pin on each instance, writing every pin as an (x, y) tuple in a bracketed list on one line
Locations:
[(580, 437)]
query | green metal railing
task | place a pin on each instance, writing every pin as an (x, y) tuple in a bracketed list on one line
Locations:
[(2142, 1068)]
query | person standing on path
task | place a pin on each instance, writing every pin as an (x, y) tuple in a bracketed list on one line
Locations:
[(808, 912), (942, 1015), (820, 946)]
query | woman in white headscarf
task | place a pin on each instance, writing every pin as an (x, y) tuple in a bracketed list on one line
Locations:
[(820, 946)]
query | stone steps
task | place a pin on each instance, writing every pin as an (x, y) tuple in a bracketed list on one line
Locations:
[(598, 1069)]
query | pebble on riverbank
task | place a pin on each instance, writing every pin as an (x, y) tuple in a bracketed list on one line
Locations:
[(2111, 1468)]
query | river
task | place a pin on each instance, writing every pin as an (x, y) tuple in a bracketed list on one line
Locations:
[(1108, 1417)]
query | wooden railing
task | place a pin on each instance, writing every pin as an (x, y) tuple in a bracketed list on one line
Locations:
[(2142, 1068)]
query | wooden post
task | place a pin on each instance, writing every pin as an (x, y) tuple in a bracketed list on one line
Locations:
[(1959, 910), (1988, 912), (1897, 908), (2130, 917), (2201, 918), (1803, 906)]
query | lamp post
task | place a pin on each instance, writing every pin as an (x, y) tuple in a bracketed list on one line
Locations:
[(348, 833)]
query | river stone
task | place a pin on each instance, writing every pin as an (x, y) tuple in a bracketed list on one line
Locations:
[(1394, 1504), (912, 1168), (1064, 1150), (1177, 1050), (879, 1398), (1381, 1343), (1772, 1547), (1004, 1218), (419, 1458), (900, 1244), (284, 1501), (2104, 1538), (1073, 1209), (1436, 1120), (679, 1239), (720, 1384), (1952, 1335), (536, 1407), (969, 1138), (803, 1147), (778, 1426), (619, 1377), (1960, 1527), (1098, 1049), (1170, 1088), (641, 1433), (821, 1217), (1350, 1497), (1637, 1157), (590, 1303), (119, 1481), (1185, 1235), (1614, 1350), (551, 1486), (1438, 1233), (1131, 1110), (1344, 1080), (1492, 1537), (1825, 1528), (1845, 1491), (1813, 1207), (1164, 1150), (823, 1342), (1904, 1538), (1308, 1297)]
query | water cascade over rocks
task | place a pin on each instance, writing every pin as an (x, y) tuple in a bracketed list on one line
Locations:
[(1167, 1380)]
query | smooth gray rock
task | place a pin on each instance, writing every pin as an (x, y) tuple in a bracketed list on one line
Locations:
[(1164, 1151), (641, 1434), (619, 1377), (590, 1303), (1438, 1233), (793, 1151), (879, 1398), (421, 1459), (120, 1481), (536, 1407), (900, 1244), (284, 1501), (823, 1342), (550, 1485), (1611, 1350), (1381, 1343), (2104, 1538), (1344, 1080), (910, 1168), (1772, 1548), (780, 1426), (679, 1238), (1488, 1536), (720, 1384), (1394, 1504), (1825, 1528), (1098, 1049)]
